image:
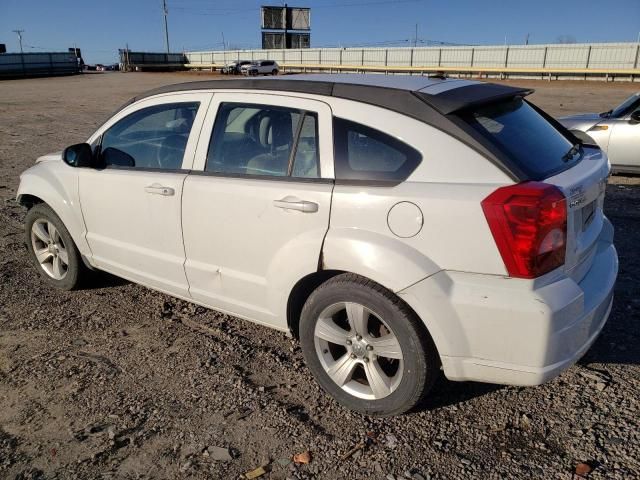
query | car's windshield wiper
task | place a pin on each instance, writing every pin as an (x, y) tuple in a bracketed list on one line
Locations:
[(606, 114), (573, 151)]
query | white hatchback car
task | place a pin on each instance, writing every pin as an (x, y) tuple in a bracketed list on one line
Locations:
[(396, 225), (260, 67)]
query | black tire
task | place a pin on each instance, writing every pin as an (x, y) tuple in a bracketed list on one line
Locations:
[(420, 357), (76, 270), (274, 72)]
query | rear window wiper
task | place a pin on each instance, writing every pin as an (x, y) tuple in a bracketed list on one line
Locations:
[(575, 149)]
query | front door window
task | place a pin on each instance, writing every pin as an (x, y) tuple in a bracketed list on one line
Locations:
[(150, 138)]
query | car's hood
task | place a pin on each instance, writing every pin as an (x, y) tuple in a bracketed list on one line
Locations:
[(583, 121), (50, 157)]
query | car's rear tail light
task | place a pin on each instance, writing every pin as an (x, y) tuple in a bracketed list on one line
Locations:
[(529, 225)]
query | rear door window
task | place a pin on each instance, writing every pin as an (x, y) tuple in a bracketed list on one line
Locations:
[(535, 145), (306, 163), (264, 140)]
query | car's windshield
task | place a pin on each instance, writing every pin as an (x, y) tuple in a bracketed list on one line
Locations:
[(627, 105), (530, 141)]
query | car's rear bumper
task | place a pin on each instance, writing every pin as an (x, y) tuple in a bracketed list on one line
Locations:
[(510, 331)]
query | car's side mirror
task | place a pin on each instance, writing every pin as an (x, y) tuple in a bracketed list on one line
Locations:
[(635, 117), (79, 155)]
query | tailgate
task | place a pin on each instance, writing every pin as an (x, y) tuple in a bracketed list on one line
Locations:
[(584, 186)]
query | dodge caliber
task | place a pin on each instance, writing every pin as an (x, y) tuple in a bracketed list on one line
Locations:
[(398, 226)]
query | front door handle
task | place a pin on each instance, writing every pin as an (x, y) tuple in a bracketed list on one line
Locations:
[(157, 189), (293, 203)]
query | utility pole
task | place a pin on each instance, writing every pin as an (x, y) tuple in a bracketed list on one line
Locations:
[(415, 39), (526, 41), (286, 12), (19, 32), (165, 12), (224, 51)]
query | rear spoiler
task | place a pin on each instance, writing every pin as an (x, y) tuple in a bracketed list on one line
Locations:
[(470, 96)]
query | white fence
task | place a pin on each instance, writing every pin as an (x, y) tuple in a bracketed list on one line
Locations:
[(600, 58)]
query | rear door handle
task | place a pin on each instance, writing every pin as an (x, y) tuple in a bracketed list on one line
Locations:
[(293, 203), (157, 189)]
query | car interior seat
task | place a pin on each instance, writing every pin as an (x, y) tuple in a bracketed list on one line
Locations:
[(275, 135)]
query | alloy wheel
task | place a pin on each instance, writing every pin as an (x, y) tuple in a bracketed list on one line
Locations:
[(49, 249), (358, 351)]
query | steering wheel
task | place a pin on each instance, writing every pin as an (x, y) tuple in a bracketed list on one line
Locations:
[(171, 152)]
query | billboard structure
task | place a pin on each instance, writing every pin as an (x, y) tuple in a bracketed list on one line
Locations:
[(276, 40), (285, 27)]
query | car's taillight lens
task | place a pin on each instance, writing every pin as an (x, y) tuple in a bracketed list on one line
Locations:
[(529, 225)]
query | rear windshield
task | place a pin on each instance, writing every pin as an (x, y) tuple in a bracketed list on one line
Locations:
[(529, 140)]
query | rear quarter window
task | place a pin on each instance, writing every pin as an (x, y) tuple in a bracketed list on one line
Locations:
[(364, 154), (517, 129)]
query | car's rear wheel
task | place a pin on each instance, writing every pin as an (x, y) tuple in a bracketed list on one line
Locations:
[(274, 72), (366, 347), (52, 249)]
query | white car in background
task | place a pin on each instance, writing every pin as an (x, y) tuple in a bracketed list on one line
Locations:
[(396, 225), (616, 131), (260, 67), (233, 68)]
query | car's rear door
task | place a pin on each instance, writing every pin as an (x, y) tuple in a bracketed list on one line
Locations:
[(256, 205), (132, 206)]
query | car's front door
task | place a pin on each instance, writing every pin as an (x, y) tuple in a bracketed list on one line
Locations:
[(256, 206), (624, 143), (131, 204)]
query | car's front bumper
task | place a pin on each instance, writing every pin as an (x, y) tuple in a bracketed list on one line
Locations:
[(510, 331)]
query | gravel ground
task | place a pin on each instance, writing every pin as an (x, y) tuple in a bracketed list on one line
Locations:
[(118, 381)]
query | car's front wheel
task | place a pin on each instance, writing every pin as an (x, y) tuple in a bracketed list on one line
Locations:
[(366, 347), (52, 249)]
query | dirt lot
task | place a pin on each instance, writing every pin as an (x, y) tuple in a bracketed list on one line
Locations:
[(118, 381)]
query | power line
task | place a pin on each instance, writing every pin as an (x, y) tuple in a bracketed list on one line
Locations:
[(383, 43), (235, 11), (56, 49), (442, 43), (19, 32)]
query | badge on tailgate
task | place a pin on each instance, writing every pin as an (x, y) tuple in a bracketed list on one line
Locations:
[(588, 214), (576, 196)]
